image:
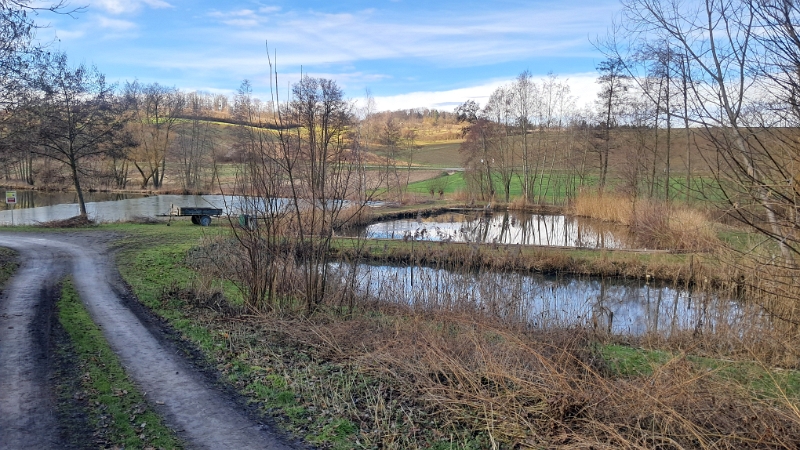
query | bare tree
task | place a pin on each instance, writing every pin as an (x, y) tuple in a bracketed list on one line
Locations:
[(304, 180), (410, 147), (155, 111), (80, 117), (554, 106), (477, 152), (18, 54), (720, 43), (390, 137), (524, 89), (613, 82), (499, 110), (261, 182), (194, 143)]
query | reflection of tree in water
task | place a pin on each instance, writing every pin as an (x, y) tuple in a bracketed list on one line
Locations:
[(602, 317), (34, 199), (550, 230), (607, 305), (506, 228)]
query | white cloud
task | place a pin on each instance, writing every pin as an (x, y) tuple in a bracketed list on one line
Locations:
[(128, 6), (242, 23), (157, 4), (69, 34), (243, 18), (116, 24), (237, 13), (461, 39), (582, 86), (446, 100)]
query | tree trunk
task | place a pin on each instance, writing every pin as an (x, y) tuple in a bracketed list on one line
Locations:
[(73, 165)]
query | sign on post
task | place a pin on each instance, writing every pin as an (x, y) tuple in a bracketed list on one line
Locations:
[(11, 197)]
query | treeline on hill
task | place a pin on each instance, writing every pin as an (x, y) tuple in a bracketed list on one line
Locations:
[(531, 140), (65, 125)]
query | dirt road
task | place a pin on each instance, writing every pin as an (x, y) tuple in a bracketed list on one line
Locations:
[(202, 415)]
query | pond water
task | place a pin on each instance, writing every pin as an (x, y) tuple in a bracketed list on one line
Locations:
[(34, 207), (506, 228), (33, 199), (624, 307)]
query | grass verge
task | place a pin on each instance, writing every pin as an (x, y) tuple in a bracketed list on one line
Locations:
[(117, 410), (668, 267), (8, 264)]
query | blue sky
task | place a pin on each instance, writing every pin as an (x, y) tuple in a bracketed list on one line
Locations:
[(407, 53)]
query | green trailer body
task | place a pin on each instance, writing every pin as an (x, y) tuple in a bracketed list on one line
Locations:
[(200, 215)]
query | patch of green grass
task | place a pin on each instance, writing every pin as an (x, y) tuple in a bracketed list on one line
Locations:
[(449, 184), (629, 362), (759, 380), (762, 381), (8, 264), (117, 404), (555, 187), (339, 433)]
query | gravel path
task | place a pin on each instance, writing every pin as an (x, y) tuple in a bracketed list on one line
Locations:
[(203, 416)]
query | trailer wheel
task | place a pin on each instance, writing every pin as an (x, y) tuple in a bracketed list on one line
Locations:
[(205, 221), (196, 220)]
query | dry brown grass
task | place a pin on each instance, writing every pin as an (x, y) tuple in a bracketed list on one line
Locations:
[(354, 216), (80, 221), (664, 226), (519, 204), (409, 379), (655, 224), (450, 370), (511, 258), (609, 207)]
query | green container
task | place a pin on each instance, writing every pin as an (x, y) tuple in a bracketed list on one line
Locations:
[(247, 221)]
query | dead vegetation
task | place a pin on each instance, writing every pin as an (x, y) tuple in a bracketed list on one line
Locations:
[(655, 224), (440, 369), (79, 221), (412, 379)]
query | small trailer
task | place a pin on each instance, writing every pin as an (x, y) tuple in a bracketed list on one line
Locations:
[(200, 215)]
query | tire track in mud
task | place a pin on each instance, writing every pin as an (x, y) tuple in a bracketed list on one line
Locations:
[(201, 415), (27, 404)]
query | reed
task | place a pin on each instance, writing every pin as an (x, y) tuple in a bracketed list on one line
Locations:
[(605, 206), (664, 226), (655, 224)]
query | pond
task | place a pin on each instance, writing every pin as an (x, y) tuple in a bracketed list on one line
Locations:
[(623, 307), (34, 207), (32, 199), (506, 228)]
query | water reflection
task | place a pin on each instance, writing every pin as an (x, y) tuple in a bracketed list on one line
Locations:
[(506, 228), (35, 207), (107, 209), (619, 306), (33, 199)]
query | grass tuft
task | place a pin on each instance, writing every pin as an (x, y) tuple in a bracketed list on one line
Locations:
[(118, 410)]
